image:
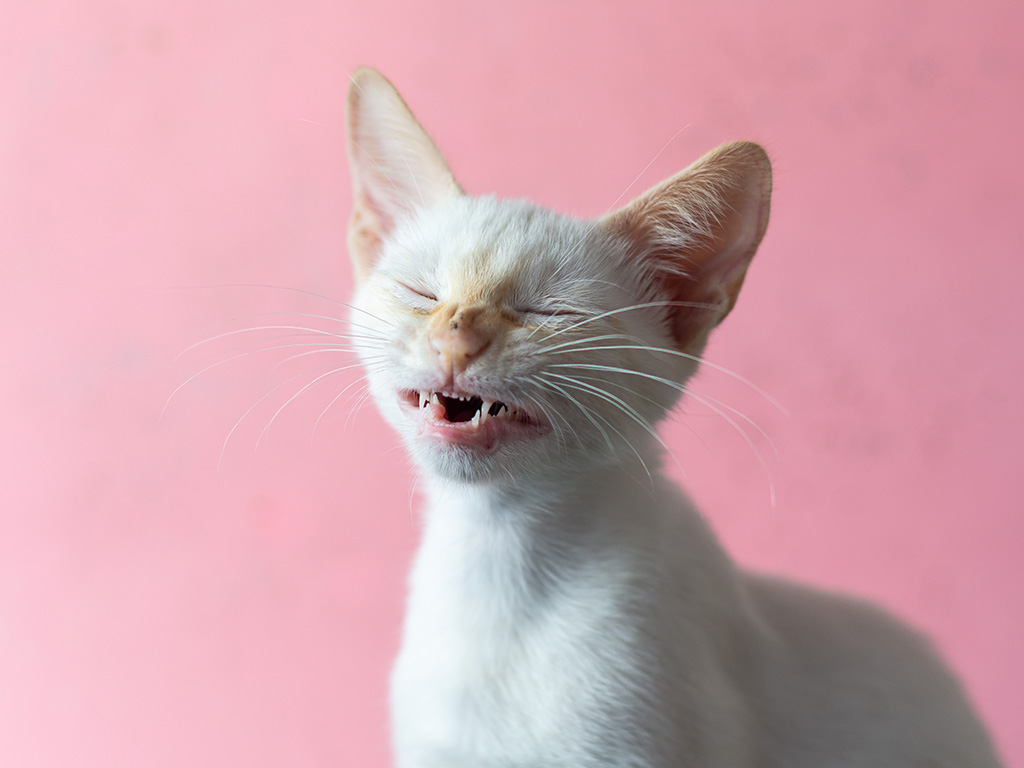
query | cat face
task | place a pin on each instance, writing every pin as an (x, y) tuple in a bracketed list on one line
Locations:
[(503, 340), (496, 321)]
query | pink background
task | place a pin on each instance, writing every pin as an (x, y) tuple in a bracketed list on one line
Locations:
[(156, 611)]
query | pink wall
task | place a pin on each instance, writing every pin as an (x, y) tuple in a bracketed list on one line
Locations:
[(157, 612)]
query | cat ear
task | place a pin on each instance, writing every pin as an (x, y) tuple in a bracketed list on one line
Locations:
[(396, 169), (697, 232)]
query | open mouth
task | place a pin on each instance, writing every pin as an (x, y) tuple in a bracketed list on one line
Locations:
[(470, 419)]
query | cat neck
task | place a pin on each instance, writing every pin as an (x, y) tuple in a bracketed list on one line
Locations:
[(562, 499), (505, 547)]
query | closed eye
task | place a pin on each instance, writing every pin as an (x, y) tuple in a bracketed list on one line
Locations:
[(414, 297), (548, 311), (423, 293)]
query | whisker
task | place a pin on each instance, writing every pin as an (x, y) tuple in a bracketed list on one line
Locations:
[(416, 475), (683, 389), (630, 308), (583, 409), (587, 340), (254, 329), (226, 360), (634, 393), (597, 222), (746, 438), (319, 351), (562, 349), (646, 167), (331, 318), (550, 412), (622, 405), (321, 377), (252, 407), (362, 399), (335, 399), (610, 426), (692, 392), (195, 376), (285, 288), (630, 390)]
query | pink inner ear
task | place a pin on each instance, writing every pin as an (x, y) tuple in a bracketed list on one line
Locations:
[(364, 238), (698, 232), (703, 299)]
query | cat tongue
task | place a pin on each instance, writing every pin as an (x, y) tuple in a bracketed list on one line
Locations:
[(436, 410), (475, 432)]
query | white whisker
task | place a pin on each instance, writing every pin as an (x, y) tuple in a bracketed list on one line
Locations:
[(312, 315), (681, 388), (321, 377), (703, 396), (597, 222), (561, 349), (285, 288), (362, 399), (619, 311), (584, 410), (239, 356), (619, 403), (318, 351), (746, 438), (587, 412), (252, 407), (549, 412), (256, 328), (335, 399)]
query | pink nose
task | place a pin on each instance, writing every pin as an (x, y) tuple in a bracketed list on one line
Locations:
[(458, 337)]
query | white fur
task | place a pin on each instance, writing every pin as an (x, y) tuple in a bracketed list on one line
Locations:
[(568, 606)]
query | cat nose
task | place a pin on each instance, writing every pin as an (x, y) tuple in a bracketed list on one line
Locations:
[(458, 336)]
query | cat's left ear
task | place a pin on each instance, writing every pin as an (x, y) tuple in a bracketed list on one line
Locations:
[(697, 232), (396, 169)]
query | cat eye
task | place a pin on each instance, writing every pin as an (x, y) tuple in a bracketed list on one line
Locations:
[(546, 312), (421, 298), (421, 292)]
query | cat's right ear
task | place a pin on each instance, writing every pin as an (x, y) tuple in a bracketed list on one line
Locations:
[(396, 169)]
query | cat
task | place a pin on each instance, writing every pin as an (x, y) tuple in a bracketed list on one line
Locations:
[(568, 606)]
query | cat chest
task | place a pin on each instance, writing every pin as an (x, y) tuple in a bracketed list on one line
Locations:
[(490, 681)]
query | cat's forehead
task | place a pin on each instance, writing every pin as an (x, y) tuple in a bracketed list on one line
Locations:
[(479, 246)]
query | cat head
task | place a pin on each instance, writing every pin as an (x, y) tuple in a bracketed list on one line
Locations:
[(503, 340)]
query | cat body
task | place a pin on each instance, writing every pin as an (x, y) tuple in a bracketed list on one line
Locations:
[(568, 606)]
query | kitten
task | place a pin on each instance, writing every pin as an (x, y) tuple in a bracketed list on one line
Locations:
[(561, 613)]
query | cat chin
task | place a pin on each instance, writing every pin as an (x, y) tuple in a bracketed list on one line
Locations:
[(465, 465)]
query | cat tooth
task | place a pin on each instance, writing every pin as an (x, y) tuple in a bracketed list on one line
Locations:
[(475, 421), (485, 410), (424, 399)]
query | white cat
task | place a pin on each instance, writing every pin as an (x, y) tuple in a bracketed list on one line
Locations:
[(565, 608)]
